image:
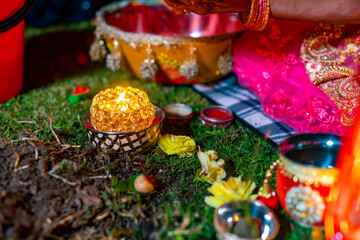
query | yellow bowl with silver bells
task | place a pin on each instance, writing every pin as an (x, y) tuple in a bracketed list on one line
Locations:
[(153, 43), (123, 119)]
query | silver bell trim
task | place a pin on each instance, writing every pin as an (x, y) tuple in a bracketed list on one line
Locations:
[(97, 50), (113, 60), (189, 69), (225, 64), (148, 69)]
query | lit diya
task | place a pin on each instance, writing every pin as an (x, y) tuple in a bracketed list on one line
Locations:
[(305, 175), (216, 116), (123, 119)]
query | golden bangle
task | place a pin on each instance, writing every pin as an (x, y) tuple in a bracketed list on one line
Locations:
[(258, 16)]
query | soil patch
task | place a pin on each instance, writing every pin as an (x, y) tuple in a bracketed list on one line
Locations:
[(53, 192)]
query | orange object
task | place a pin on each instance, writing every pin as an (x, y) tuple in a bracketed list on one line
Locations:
[(12, 13), (144, 183), (342, 218), (80, 90)]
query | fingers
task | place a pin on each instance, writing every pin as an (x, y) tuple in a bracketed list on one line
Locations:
[(176, 6), (194, 2), (173, 3), (196, 6)]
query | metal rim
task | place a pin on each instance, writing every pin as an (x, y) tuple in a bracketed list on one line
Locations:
[(298, 139), (214, 120), (181, 105), (17, 17), (259, 204)]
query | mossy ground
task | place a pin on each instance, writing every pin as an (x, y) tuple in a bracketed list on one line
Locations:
[(247, 155)]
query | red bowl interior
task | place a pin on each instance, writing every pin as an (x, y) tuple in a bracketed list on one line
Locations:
[(160, 20)]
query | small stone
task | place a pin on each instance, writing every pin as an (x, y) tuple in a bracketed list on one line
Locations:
[(2, 145), (144, 183)]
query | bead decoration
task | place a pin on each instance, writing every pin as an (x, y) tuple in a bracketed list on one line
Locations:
[(319, 48), (189, 69), (305, 205), (97, 50), (148, 68), (121, 109), (332, 73), (113, 59), (225, 64), (302, 174), (349, 88), (266, 190)]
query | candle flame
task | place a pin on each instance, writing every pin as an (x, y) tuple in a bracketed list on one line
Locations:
[(121, 97)]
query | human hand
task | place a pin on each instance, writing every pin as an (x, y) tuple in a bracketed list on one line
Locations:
[(203, 7)]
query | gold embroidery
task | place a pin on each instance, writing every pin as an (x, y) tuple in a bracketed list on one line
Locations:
[(318, 48), (332, 73), (344, 92), (324, 65)]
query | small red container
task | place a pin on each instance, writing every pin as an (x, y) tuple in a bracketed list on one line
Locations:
[(12, 14), (216, 116)]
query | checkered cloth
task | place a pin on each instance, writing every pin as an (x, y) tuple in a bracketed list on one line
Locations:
[(246, 107)]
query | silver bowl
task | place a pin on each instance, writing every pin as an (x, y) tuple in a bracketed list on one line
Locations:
[(245, 220)]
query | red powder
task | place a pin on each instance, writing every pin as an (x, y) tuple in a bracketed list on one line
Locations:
[(217, 114)]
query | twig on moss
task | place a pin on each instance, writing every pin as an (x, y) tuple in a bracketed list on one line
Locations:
[(101, 217), (52, 173), (17, 161), (30, 122), (51, 119), (25, 139), (100, 177), (185, 232), (22, 168), (36, 151)]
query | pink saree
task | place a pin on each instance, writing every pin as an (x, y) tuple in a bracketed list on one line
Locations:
[(305, 75)]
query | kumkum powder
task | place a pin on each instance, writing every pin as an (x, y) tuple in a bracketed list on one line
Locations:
[(217, 114)]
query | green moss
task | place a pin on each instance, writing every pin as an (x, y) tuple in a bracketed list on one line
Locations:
[(27, 116)]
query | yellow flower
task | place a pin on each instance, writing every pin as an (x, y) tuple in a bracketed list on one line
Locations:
[(181, 145), (232, 189), (210, 167)]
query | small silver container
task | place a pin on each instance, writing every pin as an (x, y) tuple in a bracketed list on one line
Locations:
[(178, 114), (245, 220)]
